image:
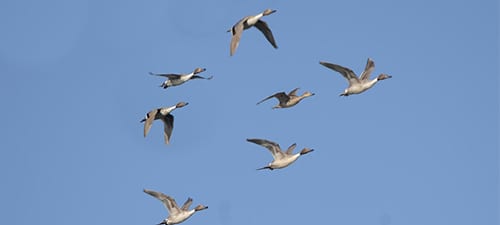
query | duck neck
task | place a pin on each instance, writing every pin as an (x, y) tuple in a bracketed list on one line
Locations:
[(166, 111), (253, 20)]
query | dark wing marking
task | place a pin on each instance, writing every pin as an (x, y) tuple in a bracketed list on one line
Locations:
[(262, 26)]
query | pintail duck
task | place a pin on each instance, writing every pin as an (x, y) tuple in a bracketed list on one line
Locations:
[(250, 21), (288, 100), (357, 85), (165, 115), (176, 214), (281, 159), (178, 79)]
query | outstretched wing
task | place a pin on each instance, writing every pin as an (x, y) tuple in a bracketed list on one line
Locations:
[(185, 206), (236, 31), (370, 66), (290, 149), (262, 26), (168, 75), (200, 77), (168, 201), (344, 71), (273, 147), (293, 92), (150, 117), (281, 96), (168, 122)]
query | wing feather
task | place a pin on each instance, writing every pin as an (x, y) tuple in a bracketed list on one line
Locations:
[(290, 149), (237, 30), (344, 71), (168, 75), (370, 66), (187, 204), (168, 122), (167, 201), (273, 147), (264, 28), (293, 92), (149, 121)]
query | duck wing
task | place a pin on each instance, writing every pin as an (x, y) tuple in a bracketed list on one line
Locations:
[(281, 96), (200, 77), (262, 26), (167, 201), (273, 147), (370, 66), (344, 71), (168, 75), (168, 123), (185, 206), (293, 92), (236, 32), (148, 122), (290, 149)]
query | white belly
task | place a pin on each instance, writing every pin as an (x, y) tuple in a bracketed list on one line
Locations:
[(284, 162), (179, 218)]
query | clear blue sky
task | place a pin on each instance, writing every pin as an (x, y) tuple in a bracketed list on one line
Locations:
[(420, 148)]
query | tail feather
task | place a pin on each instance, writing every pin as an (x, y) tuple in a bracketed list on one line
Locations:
[(265, 167)]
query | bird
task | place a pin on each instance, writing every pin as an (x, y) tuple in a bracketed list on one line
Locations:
[(165, 115), (250, 21), (288, 100), (281, 159), (357, 84), (178, 79), (175, 214)]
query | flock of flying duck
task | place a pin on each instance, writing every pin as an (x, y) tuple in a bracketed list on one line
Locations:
[(281, 159)]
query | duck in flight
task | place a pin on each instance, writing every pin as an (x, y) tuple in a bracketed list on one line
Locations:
[(281, 159), (288, 100), (357, 84), (251, 21), (178, 79), (165, 115), (175, 214)]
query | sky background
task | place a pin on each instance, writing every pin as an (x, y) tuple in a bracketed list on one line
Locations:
[(420, 148)]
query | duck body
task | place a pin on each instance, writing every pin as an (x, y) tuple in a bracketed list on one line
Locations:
[(180, 217), (283, 162), (362, 87)]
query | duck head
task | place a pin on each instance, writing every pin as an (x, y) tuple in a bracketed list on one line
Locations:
[(305, 151), (268, 12), (199, 70), (383, 76), (200, 207), (308, 94), (181, 104)]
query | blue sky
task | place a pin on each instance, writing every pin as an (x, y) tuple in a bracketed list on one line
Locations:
[(420, 148)]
